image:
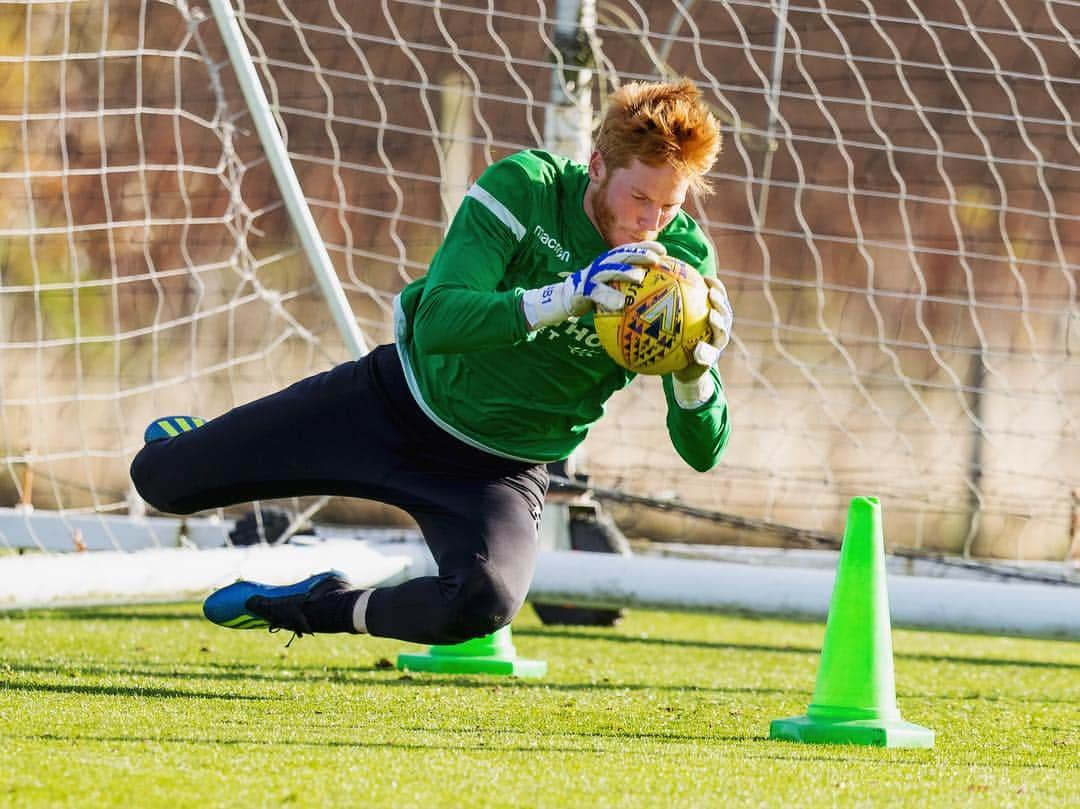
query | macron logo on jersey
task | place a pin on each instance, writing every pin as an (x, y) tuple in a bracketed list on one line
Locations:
[(551, 243)]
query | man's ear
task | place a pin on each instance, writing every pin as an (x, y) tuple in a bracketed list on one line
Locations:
[(597, 169)]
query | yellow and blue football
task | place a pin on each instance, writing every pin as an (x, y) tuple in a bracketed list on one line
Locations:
[(663, 319)]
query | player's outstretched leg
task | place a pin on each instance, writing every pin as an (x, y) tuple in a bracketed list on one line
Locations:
[(307, 607), (302, 440), (171, 426)]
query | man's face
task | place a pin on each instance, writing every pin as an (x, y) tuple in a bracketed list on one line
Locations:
[(635, 203)]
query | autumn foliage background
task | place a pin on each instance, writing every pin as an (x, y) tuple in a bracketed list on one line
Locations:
[(899, 231)]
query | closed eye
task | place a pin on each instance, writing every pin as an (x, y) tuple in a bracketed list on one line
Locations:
[(665, 206)]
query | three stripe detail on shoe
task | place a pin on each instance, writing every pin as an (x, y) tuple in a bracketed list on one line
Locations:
[(244, 622), (179, 424)]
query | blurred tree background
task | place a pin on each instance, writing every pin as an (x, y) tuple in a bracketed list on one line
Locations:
[(896, 216)]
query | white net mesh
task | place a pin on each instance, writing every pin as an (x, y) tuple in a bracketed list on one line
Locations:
[(897, 219)]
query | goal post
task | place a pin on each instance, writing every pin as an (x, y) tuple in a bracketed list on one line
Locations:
[(291, 192), (896, 219)]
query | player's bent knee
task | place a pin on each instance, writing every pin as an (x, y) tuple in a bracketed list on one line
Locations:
[(476, 623), (151, 479), (482, 605)]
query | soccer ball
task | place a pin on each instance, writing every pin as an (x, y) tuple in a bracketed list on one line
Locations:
[(664, 318)]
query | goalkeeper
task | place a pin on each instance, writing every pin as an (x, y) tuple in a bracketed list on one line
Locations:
[(495, 371)]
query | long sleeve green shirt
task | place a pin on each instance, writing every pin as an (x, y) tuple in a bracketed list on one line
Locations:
[(471, 362)]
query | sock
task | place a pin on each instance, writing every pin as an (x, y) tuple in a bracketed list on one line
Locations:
[(359, 616), (333, 612)]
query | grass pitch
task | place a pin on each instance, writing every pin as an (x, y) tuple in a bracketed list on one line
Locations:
[(154, 706)]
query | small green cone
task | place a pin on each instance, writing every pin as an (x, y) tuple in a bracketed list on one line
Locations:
[(855, 696), (491, 654)]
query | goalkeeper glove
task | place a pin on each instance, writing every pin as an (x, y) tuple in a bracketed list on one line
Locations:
[(583, 290), (694, 384)]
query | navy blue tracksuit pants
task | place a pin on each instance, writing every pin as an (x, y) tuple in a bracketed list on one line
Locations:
[(356, 431)]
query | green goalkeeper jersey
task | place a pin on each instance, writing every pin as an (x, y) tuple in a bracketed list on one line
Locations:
[(470, 360)]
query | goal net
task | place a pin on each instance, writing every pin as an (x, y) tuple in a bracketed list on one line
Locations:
[(896, 218)]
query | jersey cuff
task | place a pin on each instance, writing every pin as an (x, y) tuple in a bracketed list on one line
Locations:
[(692, 395)]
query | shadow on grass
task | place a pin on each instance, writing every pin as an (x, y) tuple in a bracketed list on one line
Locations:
[(799, 753), (454, 745), (801, 692), (353, 675), (762, 749), (380, 677), (612, 637), (602, 635), (125, 691), (94, 614)]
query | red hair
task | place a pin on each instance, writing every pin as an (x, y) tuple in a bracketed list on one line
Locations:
[(661, 123)]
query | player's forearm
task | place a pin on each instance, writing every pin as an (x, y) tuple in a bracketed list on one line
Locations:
[(700, 434), (453, 320)]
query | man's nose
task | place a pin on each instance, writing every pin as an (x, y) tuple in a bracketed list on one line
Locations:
[(649, 216)]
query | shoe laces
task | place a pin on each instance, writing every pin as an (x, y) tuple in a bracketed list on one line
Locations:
[(273, 630)]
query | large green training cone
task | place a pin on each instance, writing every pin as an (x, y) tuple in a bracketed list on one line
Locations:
[(855, 697), (491, 654)]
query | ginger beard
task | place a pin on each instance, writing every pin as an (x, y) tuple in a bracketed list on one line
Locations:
[(603, 216)]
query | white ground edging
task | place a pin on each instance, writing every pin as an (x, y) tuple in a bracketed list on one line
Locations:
[(587, 579)]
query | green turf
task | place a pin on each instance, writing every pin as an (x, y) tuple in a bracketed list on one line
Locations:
[(154, 706)]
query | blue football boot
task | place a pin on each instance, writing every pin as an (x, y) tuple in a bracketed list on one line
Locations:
[(171, 426), (250, 605)]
